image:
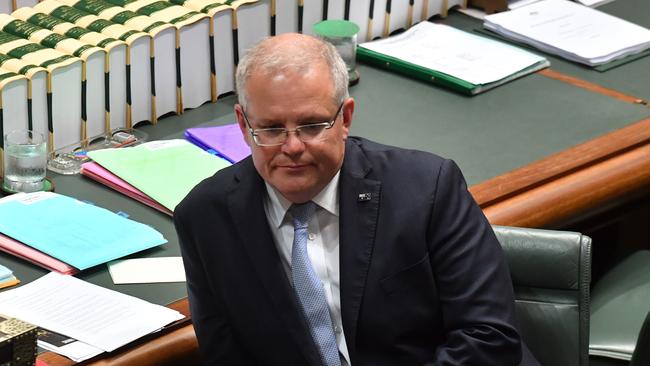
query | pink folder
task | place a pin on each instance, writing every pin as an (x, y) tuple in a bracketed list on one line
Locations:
[(34, 256), (96, 172)]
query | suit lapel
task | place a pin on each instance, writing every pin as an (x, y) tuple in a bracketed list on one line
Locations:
[(359, 212), (246, 207)]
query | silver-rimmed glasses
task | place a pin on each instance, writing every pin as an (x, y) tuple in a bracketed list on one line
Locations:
[(278, 135)]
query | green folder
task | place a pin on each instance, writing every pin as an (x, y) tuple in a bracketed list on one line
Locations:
[(411, 52), (415, 71), (437, 77), (164, 170)]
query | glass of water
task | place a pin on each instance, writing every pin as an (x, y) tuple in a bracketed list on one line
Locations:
[(25, 161), (343, 35)]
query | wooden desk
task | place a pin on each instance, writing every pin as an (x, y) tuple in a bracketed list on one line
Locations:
[(553, 186), (535, 152)]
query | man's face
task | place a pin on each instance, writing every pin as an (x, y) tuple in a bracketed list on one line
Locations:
[(298, 170)]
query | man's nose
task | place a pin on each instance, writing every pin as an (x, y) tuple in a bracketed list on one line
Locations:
[(293, 145)]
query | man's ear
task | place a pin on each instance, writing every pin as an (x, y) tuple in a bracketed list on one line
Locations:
[(243, 127), (348, 111)]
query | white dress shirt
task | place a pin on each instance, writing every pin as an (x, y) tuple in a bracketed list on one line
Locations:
[(322, 247)]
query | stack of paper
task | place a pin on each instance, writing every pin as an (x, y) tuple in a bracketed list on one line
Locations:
[(69, 347), (226, 141), (92, 314), (572, 31), (450, 57), (79, 234), (165, 171)]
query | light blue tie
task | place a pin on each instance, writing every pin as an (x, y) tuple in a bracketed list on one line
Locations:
[(309, 288)]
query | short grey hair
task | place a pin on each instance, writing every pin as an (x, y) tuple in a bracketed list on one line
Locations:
[(298, 55)]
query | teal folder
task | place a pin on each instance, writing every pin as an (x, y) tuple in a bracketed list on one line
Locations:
[(75, 232)]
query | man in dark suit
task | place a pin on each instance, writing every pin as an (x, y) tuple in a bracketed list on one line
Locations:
[(325, 249)]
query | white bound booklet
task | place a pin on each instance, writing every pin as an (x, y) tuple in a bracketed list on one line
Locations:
[(572, 31)]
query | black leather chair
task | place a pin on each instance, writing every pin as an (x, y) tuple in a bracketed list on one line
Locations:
[(620, 305), (551, 272)]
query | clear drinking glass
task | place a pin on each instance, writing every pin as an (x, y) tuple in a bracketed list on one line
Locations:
[(343, 35), (25, 161)]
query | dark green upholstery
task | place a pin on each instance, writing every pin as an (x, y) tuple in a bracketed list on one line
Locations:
[(641, 355), (619, 306), (551, 271)]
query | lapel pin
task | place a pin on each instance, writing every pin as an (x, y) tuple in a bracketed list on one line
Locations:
[(364, 197)]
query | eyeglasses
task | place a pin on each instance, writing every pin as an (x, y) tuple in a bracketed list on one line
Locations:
[(278, 135)]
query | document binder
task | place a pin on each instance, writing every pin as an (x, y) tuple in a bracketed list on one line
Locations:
[(117, 113), (315, 11), (222, 69), (20, 250), (13, 105), (192, 47), (63, 87), (75, 232), (140, 98), (37, 114), (93, 116), (572, 31), (251, 23), (163, 170), (97, 173), (438, 54), (286, 16), (226, 141)]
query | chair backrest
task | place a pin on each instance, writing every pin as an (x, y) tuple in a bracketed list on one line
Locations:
[(551, 272), (641, 355), (620, 301)]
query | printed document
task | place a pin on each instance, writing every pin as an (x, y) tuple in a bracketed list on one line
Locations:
[(92, 314), (477, 60), (571, 30), (66, 346)]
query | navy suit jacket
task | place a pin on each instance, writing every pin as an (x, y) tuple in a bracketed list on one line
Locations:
[(422, 276)]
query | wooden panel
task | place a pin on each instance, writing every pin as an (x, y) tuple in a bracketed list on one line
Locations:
[(565, 163), (576, 192), (593, 87)]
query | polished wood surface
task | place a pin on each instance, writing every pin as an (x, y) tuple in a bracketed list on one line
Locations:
[(596, 88), (619, 146)]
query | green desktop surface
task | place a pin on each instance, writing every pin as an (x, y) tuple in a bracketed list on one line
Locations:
[(488, 134)]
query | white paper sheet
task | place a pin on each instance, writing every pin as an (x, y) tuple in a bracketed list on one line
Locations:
[(147, 270), (92, 314), (76, 351)]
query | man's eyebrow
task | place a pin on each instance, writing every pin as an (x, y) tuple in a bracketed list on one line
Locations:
[(314, 119), (270, 124)]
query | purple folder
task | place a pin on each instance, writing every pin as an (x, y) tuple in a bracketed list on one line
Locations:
[(226, 141)]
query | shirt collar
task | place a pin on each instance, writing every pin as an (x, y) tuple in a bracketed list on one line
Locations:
[(328, 199)]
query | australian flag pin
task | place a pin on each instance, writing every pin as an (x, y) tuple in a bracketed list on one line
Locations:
[(364, 197)]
